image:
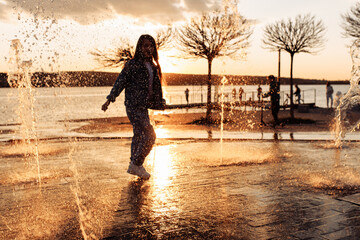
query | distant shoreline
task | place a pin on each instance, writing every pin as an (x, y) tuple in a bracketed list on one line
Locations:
[(96, 79)]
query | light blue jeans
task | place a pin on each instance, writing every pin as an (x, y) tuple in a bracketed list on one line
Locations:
[(144, 134)]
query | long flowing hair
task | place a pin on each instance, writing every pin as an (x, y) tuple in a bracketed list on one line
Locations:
[(138, 53)]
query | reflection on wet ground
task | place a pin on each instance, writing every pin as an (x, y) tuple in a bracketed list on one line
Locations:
[(58, 130), (199, 189)]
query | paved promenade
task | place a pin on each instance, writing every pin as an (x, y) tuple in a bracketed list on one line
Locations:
[(199, 189)]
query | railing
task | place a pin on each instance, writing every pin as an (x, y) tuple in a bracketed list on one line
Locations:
[(307, 97)]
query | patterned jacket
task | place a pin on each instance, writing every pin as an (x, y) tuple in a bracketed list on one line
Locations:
[(134, 78)]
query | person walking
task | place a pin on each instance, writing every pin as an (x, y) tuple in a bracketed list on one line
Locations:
[(187, 95), (297, 93), (329, 95), (274, 93), (141, 79)]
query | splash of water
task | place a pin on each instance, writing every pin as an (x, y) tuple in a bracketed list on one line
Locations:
[(223, 82), (19, 76), (348, 111), (34, 41), (75, 190), (229, 7)]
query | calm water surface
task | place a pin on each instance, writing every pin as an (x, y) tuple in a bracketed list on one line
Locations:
[(54, 104)]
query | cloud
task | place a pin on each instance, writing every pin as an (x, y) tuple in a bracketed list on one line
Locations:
[(200, 5), (4, 10), (90, 11)]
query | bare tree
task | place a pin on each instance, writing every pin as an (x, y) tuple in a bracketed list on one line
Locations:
[(117, 57), (300, 35), (164, 37), (212, 35), (351, 22)]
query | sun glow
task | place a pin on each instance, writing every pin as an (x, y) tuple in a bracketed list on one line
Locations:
[(167, 61), (162, 132)]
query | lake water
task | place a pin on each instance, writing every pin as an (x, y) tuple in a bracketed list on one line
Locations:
[(56, 104)]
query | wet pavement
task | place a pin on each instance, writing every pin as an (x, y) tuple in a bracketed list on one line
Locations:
[(65, 129), (199, 189)]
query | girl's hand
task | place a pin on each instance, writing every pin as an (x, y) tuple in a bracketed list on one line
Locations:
[(104, 107)]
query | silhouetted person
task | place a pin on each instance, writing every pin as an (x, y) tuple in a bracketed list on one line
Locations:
[(233, 95), (141, 79), (241, 91), (297, 93), (329, 95), (274, 94), (187, 95), (259, 93), (276, 136), (287, 100)]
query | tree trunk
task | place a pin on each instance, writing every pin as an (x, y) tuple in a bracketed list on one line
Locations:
[(208, 105), (279, 62), (291, 87)]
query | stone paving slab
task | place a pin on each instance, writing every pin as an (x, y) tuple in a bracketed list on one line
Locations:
[(354, 198)]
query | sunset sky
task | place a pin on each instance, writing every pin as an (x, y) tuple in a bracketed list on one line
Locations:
[(59, 34)]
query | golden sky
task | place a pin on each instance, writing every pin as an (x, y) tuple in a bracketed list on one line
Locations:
[(59, 34)]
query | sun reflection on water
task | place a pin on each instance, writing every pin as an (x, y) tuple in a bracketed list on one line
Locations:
[(162, 166), (164, 192)]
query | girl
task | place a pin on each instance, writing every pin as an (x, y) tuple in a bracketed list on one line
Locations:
[(141, 79)]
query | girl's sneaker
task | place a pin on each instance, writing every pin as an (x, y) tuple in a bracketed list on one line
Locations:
[(138, 171)]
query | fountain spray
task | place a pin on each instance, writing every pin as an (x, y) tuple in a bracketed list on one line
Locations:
[(347, 117), (36, 36), (223, 82), (19, 77)]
